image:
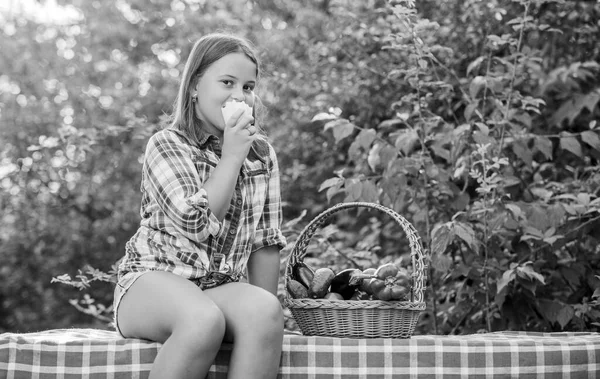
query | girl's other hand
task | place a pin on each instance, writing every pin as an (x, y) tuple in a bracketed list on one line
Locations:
[(238, 135)]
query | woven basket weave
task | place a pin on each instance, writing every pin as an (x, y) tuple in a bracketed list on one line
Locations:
[(358, 318)]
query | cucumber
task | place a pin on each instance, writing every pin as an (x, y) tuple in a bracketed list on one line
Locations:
[(321, 282), (296, 289)]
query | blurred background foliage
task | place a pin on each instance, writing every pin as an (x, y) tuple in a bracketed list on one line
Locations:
[(476, 120)]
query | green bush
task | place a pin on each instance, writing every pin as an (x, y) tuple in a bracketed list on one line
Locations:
[(477, 121)]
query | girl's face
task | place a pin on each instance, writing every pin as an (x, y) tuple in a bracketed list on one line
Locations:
[(232, 77)]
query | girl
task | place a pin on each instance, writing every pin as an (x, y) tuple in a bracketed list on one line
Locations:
[(211, 214)]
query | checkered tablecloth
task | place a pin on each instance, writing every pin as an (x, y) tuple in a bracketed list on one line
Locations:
[(96, 354)]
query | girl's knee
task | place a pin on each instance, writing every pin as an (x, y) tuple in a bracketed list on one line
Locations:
[(267, 308), (269, 320), (273, 309), (201, 325)]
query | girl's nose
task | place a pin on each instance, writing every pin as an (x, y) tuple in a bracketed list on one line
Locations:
[(238, 94)]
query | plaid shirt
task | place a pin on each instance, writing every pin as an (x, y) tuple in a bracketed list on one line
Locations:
[(179, 233)]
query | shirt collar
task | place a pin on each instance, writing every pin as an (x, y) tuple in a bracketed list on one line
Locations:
[(209, 138)]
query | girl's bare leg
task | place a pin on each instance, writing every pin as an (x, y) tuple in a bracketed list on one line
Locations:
[(254, 320), (166, 308)]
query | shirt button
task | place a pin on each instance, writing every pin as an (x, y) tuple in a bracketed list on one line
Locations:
[(239, 202), (232, 231), (226, 267)]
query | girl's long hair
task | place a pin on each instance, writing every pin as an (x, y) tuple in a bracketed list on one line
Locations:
[(206, 51)]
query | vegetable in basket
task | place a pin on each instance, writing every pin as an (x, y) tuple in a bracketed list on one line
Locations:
[(386, 283), (321, 281), (333, 296), (389, 283), (341, 282), (296, 289), (363, 285), (303, 273)]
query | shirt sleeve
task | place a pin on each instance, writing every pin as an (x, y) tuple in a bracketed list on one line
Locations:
[(268, 232), (173, 181)]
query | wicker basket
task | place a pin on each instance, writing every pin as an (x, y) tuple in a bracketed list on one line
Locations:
[(358, 318)]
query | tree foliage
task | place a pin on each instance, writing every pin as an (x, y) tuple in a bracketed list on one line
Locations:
[(475, 120)]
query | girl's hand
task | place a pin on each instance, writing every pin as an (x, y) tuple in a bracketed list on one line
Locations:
[(238, 135)]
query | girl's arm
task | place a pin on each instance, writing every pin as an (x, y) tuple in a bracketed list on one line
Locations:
[(172, 180), (263, 268), (219, 187), (236, 144), (264, 262)]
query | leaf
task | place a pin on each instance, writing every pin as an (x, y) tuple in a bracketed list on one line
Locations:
[(440, 151), (330, 183), (469, 109), (571, 276), (323, 116), (461, 201), (584, 198), (544, 146), (565, 315), (467, 234), (365, 138), (393, 122), (522, 151), (476, 85), (549, 309), (341, 129), (571, 144), (441, 237), (573, 107), (550, 232), (441, 263), (369, 192), (541, 193), (475, 64), (507, 277), (509, 181), (393, 185), (335, 188), (354, 190), (483, 139), (591, 138), (516, 211), (528, 272), (332, 191), (64, 278), (406, 141), (387, 154), (591, 100), (531, 233), (373, 159)]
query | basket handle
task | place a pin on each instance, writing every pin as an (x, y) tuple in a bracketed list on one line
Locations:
[(299, 249)]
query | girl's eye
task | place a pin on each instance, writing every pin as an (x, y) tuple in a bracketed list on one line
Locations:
[(249, 88), (228, 83)]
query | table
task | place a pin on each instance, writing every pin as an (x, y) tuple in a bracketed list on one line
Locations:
[(103, 354)]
